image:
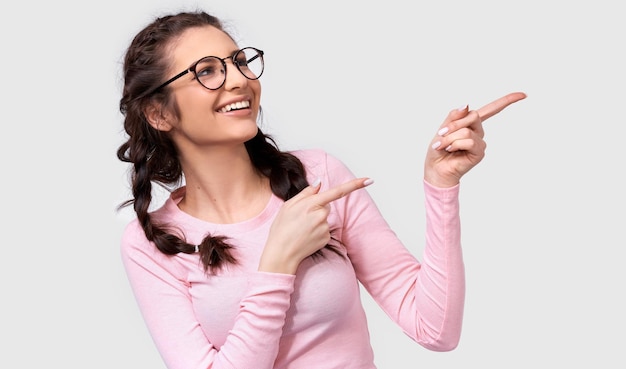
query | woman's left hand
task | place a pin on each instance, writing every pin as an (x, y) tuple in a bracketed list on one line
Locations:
[(459, 143)]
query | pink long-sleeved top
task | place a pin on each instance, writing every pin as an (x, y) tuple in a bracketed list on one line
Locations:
[(245, 319)]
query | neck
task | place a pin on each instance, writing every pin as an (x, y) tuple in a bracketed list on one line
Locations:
[(224, 187)]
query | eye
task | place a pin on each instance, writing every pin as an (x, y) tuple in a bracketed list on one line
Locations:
[(205, 71), (209, 67)]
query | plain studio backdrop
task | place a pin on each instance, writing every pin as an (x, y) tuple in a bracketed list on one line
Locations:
[(370, 82)]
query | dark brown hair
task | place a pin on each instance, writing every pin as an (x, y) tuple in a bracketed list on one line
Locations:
[(153, 153)]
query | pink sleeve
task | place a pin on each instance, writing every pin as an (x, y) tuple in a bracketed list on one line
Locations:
[(425, 299), (163, 298)]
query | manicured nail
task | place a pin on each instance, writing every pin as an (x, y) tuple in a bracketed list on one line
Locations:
[(368, 182), (463, 107), (449, 148), (436, 144), (442, 131), (316, 182)]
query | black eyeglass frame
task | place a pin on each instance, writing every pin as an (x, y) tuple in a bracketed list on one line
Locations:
[(192, 68)]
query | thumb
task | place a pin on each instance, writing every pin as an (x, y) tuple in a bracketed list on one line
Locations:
[(456, 114)]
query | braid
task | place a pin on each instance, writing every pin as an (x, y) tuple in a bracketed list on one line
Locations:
[(285, 171)]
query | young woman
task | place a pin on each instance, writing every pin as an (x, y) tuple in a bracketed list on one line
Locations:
[(255, 259)]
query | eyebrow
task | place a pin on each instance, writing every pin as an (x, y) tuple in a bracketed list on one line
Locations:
[(232, 53)]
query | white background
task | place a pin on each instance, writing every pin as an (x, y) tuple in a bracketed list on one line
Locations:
[(542, 215)]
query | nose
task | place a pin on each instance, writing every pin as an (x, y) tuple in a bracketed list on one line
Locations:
[(234, 78)]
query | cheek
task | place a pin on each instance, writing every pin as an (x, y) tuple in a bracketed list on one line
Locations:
[(255, 86), (195, 106)]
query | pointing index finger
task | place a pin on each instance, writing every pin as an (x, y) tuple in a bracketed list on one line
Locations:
[(498, 105), (337, 192)]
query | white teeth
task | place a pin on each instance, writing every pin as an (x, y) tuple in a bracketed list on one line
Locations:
[(237, 105)]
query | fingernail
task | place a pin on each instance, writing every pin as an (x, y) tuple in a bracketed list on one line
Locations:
[(436, 144), (368, 182), (463, 107), (442, 131), (316, 182), (449, 148)]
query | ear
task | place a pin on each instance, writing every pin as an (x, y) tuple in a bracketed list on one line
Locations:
[(155, 117)]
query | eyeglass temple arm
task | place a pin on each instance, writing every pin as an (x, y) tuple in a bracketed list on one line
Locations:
[(172, 79), (256, 56)]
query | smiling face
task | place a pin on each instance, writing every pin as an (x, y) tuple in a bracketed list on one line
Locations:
[(208, 118)]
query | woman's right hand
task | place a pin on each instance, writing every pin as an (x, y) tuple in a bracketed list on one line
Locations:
[(301, 227)]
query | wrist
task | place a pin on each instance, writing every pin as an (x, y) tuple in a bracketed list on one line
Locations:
[(441, 182), (277, 263)]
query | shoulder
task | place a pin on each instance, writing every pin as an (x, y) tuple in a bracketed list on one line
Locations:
[(138, 253), (167, 212), (133, 238), (312, 158), (320, 163)]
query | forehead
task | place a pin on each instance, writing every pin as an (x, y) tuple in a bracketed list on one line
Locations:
[(199, 42)]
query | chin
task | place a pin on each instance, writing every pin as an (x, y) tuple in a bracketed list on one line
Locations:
[(249, 132), (253, 133)]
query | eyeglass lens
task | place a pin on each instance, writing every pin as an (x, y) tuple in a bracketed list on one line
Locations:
[(211, 74)]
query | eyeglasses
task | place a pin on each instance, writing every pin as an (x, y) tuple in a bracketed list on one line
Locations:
[(210, 71)]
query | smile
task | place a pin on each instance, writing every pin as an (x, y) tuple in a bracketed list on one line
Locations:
[(235, 106)]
